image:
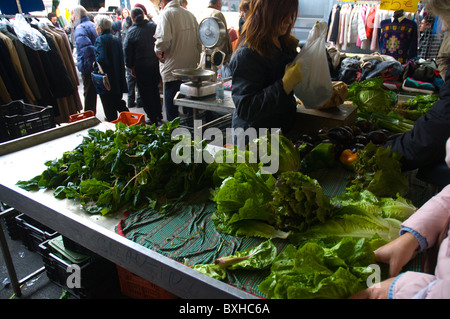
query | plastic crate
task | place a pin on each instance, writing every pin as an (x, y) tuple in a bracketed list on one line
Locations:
[(32, 232), (136, 287), (98, 276), (19, 119), (80, 116), (11, 225), (130, 118)]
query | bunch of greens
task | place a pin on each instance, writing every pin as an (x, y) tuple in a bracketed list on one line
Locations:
[(254, 204), (379, 171), (285, 153), (299, 202), (416, 107), (322, 269), (370, 96), (130, 166), (259, 257), (361, 215)]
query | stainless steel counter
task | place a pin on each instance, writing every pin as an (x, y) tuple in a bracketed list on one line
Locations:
[(22, 159)]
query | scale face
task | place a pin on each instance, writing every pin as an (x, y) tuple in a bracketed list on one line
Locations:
[(211, 32)]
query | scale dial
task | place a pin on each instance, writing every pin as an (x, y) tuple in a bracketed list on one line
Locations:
[(211, 31)]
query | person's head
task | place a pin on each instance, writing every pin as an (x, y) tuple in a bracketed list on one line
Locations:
[(118, 13), (102, 23), (78, 12), (142, 7), (163, 3), (216, 4), (52, 17), (268, 20), (244, 7), (426, 23), (137, 15), (125, 13), (439, 8), (184, 3)]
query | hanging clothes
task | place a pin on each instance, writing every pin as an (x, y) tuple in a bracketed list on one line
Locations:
[(39, 77)]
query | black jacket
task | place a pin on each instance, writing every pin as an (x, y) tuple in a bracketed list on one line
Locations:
[(139, 45), (424, 145), (257, 90)]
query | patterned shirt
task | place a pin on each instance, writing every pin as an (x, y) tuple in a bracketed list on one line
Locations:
[(398, 38)]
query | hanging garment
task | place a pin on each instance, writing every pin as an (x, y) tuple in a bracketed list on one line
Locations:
[(398, 38)]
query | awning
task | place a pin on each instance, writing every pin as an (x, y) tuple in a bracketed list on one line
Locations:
[(11, 6)]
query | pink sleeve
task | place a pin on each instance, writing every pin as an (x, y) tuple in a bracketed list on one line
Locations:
[(430, 219)]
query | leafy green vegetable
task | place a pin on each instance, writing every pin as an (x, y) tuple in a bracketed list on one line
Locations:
[(299, 202), (379, 171), (416, 107), (254, 258), (369, 96), (361, 215), (321, 269), (286, 154), (130, 166), (259, 257)]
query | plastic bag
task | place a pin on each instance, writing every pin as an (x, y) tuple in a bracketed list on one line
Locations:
[(29, 36), (316, 87)]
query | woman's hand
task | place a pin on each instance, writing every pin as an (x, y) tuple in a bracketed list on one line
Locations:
[(397, 253), (377, 291), (292, 77)]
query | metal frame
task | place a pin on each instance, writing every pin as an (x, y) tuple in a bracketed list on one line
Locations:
[(96, 233)]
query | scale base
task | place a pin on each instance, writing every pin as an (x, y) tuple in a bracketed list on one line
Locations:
[(206, 88)]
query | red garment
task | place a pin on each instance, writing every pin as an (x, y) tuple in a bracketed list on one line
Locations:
[(370, 22)]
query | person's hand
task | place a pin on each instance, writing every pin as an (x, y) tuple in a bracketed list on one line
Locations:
[(377, 291), (397, 253), (292, 76)]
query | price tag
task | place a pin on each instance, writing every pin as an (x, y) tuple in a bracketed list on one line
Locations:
[(394, 5)]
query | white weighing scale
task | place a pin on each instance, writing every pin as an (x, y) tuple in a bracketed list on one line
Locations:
[(200, 82)]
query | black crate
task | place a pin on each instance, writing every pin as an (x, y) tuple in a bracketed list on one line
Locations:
[(19, 119), (11, 225), (32, 232), (98, 276), (73, 246)]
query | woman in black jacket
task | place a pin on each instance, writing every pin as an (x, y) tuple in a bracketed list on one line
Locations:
[(109, 54), (262, 90), (141, 59)]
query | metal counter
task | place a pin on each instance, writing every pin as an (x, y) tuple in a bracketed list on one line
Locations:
[(24, 158)]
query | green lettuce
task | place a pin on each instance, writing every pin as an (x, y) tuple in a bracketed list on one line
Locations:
[(370, 96), (321, 269)]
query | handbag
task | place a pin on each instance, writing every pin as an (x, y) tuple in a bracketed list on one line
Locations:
[(100, 80)]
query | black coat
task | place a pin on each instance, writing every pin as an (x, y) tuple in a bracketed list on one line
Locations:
[(139, 45), (109, 53), (257, 90), (424, 145)]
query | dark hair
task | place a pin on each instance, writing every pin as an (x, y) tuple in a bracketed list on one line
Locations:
[(51, 15), (137, 14)]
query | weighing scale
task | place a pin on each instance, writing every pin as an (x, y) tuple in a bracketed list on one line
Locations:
[(201, 81)]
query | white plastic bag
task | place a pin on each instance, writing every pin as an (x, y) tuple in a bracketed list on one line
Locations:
[(28, 35), (316, 87)]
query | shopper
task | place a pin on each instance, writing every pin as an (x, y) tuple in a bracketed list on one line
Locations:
[(427, 230), (143, 63), (109, 54), (177, 46), (423, 147), (84, 37), (262, 90), (429, 42), (244, 8)]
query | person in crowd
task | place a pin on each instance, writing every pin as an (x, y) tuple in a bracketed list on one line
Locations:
[(116, 28), (126, 23), (178, 47), (85, 36), (54, 20), (429, 42), (263, 85), (141, 60), (423, 147), (214, 10), (109, 54), (427, 230), (184, 3), (244, 7), (443, 58)]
